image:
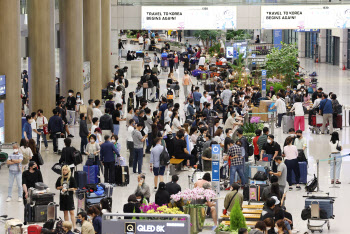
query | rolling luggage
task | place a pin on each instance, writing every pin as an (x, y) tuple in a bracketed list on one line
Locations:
[(287, 123), (108, 188), (121, 175), (80, 178), (339, 121), (92, 173), (39, 213), (42, 199), (303, 173), (254, 169), (81, 200), (34, 229), (326, 203), (267, 157), (3, 157), (93, 199), (51, 211)]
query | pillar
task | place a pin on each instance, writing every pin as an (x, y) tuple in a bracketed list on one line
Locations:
[(41, 36), (92, 45), (10, 66), (322, 46), (106, 41), (343, 47), (301, 44), (115, 28), (71, 43)]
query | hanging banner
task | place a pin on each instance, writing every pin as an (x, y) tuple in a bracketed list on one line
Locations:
[(277, 38), (188, 17), (305, 17)]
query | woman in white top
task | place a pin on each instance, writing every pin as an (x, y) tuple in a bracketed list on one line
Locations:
[(291, 161), (217, 137), (26, 152), (118, 96), (79, 101), (334, 144), (167, 129), (176, 126), (193, 135), (299, 122), (98, 134), (92, 148)]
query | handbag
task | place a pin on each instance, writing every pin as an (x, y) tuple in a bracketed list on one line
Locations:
[(225, 210), (338, 147), (45, 128), (82, 109), (145, 85), (40, 159)]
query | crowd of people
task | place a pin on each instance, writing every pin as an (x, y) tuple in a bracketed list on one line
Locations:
[(211, 117)]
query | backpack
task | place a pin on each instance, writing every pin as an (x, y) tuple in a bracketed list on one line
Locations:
[(164, 158), (170, 94), (158, 60), (260, 175), (338, 109), (250, 150), (306, 213), (59, 227), (126, 83), (311, 185), (77, 158)]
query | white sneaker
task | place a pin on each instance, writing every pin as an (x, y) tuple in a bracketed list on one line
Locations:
[(8, 199), (20, 199)]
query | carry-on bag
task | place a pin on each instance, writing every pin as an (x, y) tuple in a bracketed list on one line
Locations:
[(325, 204), (52, 211), (92, 172), (40, 186), (303, 173), (108, 188), (42, 199), (39, 213), (92, 199), (34, 229), (13, 226), (287, 123), (80, 178), (122, 175)]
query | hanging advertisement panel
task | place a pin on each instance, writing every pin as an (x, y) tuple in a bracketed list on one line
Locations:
[(188, 17), (305, 17)]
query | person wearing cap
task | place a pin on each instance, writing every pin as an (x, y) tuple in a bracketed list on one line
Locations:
[(71, 106), (55, 125), (29, 178)]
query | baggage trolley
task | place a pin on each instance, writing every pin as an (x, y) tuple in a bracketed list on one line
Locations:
[(315, 215), (316, 124)]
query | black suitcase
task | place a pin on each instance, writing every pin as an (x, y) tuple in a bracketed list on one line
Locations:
[(121, 175), (104, 94), (28, 214), (80, 178), (42, 199), (39, 213)]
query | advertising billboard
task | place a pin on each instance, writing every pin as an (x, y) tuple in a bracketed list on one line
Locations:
[(188, 17), (305, 17)]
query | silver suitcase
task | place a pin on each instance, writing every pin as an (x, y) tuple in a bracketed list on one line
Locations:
[(287, 123)]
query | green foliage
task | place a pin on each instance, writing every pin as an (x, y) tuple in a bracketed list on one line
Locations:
[(215, 49), (207, 36), (249, 136), (283, 62), (252, 127), (237, 35), (237, 219), (276, 86)]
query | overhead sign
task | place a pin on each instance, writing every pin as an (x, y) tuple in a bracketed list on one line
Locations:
[(188, 17), (305, 17), (277, 38), (263, 72)]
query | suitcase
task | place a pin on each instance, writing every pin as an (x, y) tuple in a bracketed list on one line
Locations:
[(80, 178), (81, 200), (267, 157), (108, 188), (92, 199), (287, 123), (254, 169), (60, 144), (104, 93), (51, 211), (339, 121), (40, 213), (12, 228), (122, 175), (303, 173), (42, 199), (34, 229), (203, 76), (92, 172), (325, 204), (224, 171)]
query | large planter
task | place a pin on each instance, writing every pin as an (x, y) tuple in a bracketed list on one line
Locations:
[(197, 215)]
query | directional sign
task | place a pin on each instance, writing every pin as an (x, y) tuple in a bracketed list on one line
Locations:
[(235, 54), (263, 72), (253, 55), (215, 149), (215, 171)]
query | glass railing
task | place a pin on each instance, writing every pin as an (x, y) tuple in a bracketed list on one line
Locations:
[(223, 2)]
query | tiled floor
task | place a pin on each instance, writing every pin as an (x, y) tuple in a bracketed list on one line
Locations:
[(330, 78)]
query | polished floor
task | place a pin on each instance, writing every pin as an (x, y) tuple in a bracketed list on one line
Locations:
[(331, 78)]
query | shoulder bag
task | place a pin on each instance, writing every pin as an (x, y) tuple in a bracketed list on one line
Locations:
[(45, 128), (338, 147), (225, 210)]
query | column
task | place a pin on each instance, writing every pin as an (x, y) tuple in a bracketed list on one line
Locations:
[(10, 66), (115, 32), (106, 41), (322, 46), (71, 43), (41, 36), (343, 48), (92, 45), (301, 44)]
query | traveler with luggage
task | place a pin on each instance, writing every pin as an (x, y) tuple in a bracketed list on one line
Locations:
[(55, 126), (71, 106), (335, 148), (14, 163), (86, 227), (156, 60), (237, 162), (186, 83), (291, 161), (107, 152), (29, 178), (41, 122), (337, 111), (83, 133), (26, 152), (66, 185), (326, 110), (300, 143), (138, 140), (280, 105), (67, 154), (299, 121), (116, 118), (155, 166), (255, 144)]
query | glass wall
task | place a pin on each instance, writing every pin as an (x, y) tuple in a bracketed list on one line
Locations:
[(290, 36), (329, 46), (348, 60), (310, 44)]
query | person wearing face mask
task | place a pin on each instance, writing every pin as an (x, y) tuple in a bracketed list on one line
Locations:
[(71, 107), (93, 149), (271, 148), (83, 133), (300, 142), (306, 98), (130, 142), (66, 185), (41, 123), (263, 139), (108, 150), (299, 120), (95, 214), (106, 123), (132, 206), (14, 163), (86, 227), (118, 146), (291, 161), (116, 118), (29, 178), (281, 173), (27, 128), (280, 105), (67, 154)]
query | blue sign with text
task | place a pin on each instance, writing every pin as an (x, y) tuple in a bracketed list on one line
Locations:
[(215, 164), (277, 38), (263, 84), (2, 121), (263, 72), (2, 86)]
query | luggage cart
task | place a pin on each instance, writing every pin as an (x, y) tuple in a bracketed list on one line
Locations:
[(316, 124), (315, 215)]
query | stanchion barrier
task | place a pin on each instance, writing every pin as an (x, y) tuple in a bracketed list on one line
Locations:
[(334, 168)]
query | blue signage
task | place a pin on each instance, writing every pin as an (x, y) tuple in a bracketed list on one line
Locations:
[(235, 54), (215, 149), (277, 38), (263, 72), (2, 121), (215, 166), (263, 84), (253, 55), (306, 30), (2, 86)]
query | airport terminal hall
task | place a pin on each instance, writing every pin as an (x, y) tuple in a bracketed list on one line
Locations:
[(174, 116)]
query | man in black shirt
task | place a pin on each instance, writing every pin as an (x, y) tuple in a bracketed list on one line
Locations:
[(272, 148), (106, 124), (180, 148), (173, 187), (29, 178), (25, 82), (71, 107), (116, 119)]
